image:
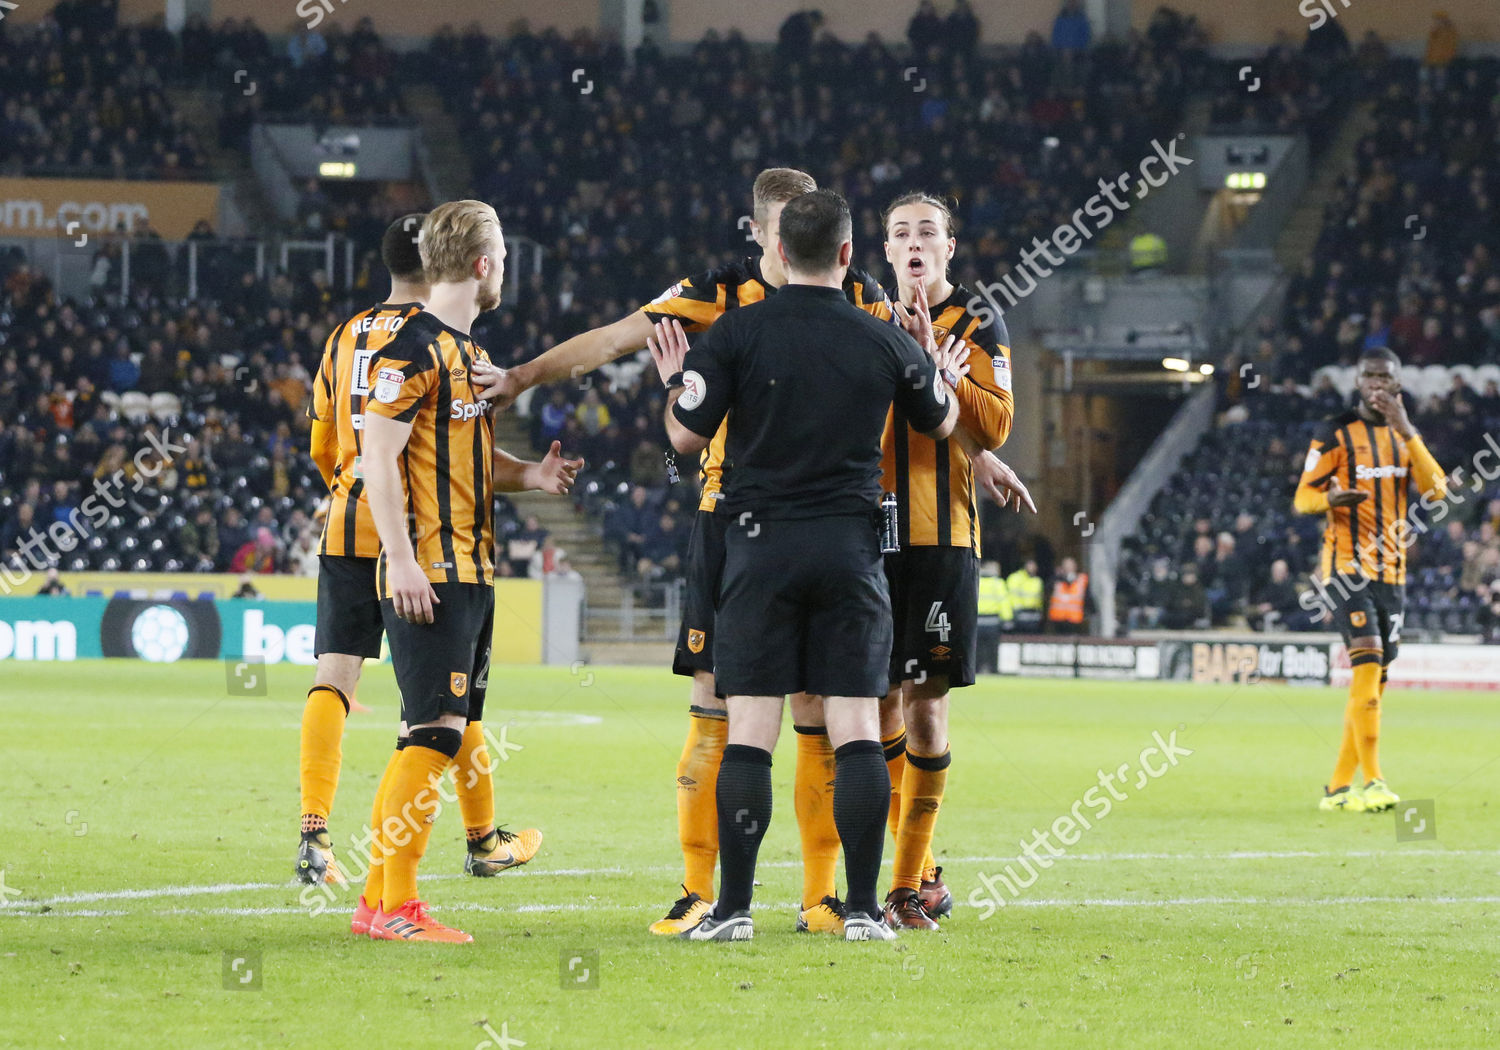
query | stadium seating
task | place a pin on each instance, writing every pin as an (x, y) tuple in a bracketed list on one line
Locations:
[(83, 97), (251, 441), (1011, 138)]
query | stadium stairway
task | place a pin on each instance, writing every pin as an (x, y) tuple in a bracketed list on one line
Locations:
[(568, 529), (1300, 235), (448, 164), (199, 107)]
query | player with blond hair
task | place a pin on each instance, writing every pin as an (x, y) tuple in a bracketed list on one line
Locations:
[(429, 453)]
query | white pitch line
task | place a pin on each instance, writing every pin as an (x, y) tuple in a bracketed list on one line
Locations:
[(1046, 902), (238, 887), (161, 891)]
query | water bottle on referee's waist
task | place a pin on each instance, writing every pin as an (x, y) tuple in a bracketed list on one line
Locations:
[(890, 533)]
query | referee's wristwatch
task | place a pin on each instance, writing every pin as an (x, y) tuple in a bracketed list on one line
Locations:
[(675, 380)]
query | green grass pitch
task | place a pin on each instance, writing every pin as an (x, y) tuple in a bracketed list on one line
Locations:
[(150, 825)]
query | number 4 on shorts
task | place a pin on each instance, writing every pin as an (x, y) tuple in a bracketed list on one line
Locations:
[(937, 621)]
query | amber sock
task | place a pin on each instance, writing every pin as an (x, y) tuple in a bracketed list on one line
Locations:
[(474, 783), (697, 810), (1348, 760), (1363, 712), (895, 763), (813, 799), (921, 796), (410, 805), (321, 754), (379, 845)]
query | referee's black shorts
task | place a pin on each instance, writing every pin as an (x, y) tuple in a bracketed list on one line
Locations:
[(1362, 608), (705, 568), (443, 667), (935, 613), (804, 608), (348, 607)]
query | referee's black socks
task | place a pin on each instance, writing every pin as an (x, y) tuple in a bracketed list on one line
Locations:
[(744, 800), (861, 801)]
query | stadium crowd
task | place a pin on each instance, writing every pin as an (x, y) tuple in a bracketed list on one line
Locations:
[(1014, 138), (189, 416), (82, 97)]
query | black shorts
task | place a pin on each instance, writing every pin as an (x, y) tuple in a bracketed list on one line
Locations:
[(935, 613), (1362, 608), (804, 608), (705, 568), (348, 607), (443, 668)]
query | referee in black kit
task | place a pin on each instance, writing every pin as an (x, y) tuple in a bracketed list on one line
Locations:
[(806, 380)]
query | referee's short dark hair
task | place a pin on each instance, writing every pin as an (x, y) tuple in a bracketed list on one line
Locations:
[(813, 227), (398, 248)]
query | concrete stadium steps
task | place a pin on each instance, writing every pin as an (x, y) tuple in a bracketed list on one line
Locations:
[(450, 163), (613, 626), (1300, 235), (654, 654), (199, 107), (569, 529)]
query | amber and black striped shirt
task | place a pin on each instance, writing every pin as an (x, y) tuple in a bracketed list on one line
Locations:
[(934, 480), (1366, 539), (700, 301), (339, 394), (423, 377)]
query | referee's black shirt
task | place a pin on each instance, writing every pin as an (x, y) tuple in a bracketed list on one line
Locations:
[(806, 379)]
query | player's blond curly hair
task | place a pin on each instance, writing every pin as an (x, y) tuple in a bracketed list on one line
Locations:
[(453, 236)]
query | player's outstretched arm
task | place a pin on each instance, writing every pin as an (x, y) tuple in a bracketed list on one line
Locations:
[(569, 359), (555, 474), (411, 593)]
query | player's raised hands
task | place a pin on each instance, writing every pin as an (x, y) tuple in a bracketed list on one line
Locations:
[(555, 473), (494, 384), (1389, 404), (1001, 483), (952, 360), (917, 321), (668, 347), (1338, 496)]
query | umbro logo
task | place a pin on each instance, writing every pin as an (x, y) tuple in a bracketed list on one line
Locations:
[(457, 373), (687, 782)]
